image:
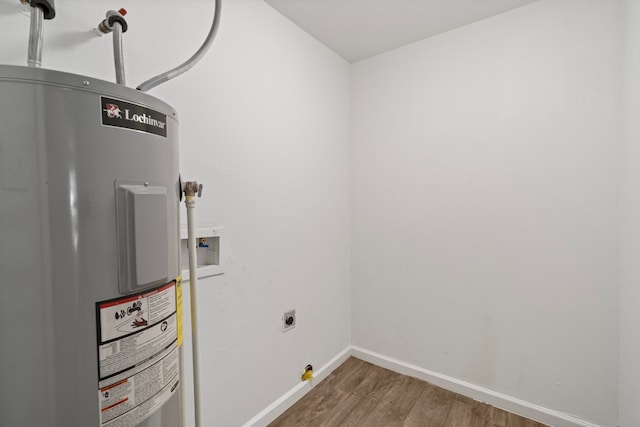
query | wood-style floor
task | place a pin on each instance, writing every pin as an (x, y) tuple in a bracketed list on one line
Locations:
[(361, 394)]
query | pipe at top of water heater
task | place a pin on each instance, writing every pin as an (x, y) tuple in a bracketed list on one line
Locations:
[(115, 22), (40, 9), (34, 58), (191, 62), (118, 54)]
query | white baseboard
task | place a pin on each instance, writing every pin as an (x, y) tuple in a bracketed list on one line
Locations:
[(278, 407), (507, 403), (499, 400)]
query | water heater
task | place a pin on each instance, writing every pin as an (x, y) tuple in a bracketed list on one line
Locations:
[(90, 300)]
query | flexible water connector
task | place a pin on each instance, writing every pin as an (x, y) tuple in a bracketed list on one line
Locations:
[(118, 53), (115, 22), (191, 62)]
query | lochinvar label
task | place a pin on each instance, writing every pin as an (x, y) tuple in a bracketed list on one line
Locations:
[(133, 116)]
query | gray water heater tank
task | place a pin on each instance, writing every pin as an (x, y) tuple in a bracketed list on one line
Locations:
[(90, 293)]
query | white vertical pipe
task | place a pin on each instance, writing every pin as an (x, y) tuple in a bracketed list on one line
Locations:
[(118, 53), (193, 288), (35, 38)]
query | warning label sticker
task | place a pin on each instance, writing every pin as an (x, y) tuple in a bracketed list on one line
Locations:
[(137, 355)]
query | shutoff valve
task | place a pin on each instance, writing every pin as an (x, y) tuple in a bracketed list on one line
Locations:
[(113, 16)]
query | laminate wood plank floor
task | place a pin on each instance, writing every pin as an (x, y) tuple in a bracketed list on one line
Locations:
[(361, 394)]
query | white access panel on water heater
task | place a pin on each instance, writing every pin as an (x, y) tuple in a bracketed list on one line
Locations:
[(142, 239)]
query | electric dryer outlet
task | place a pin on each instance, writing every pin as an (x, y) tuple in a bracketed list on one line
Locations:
[(288, 320)]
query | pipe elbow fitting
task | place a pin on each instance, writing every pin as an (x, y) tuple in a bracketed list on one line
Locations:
[(48, 7)]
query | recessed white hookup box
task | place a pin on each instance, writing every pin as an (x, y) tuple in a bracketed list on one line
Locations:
[(209, 249)]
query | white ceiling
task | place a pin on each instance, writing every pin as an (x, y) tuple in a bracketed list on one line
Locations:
[(357, 29)]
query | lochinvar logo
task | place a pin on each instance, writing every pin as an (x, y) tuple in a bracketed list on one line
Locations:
[(132, 116)]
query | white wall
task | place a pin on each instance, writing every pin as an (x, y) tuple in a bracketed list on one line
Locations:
[(485, 200), (265, 122), (630, 230), (485, 215)]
